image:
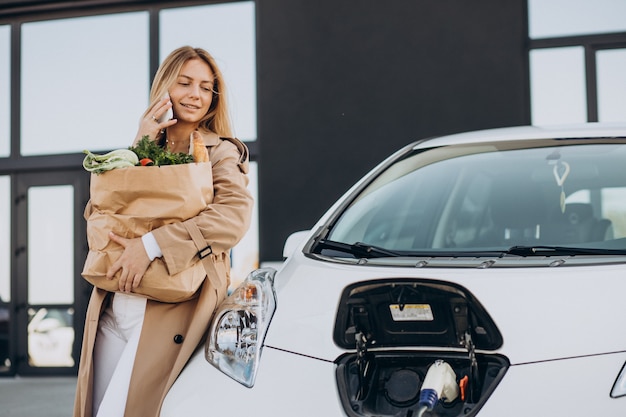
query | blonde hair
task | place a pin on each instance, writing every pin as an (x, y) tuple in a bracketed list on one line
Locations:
[(217, 118)]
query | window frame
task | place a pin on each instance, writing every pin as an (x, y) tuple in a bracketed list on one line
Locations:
[(15, 16), (591, 45)]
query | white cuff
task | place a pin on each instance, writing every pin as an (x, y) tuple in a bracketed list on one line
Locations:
[(151, 246)]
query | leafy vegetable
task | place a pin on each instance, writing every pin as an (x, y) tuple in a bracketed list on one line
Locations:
[(149, 149), (119, 158), (146, 153)]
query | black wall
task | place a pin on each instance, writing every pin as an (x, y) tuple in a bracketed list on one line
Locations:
[(342, 84)]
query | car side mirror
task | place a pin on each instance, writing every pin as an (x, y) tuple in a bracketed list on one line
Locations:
[(293, 241)]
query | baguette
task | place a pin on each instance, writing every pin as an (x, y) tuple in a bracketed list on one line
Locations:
[(200, 152)]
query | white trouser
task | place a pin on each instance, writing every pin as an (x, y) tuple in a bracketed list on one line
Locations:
[(114, 353)]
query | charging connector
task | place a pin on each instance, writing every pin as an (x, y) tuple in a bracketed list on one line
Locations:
[(439, 384)]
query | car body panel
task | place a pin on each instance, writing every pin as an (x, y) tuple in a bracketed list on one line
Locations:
[(566, 296), (528, 132), (574, 387), (290, 384), (203, 391)]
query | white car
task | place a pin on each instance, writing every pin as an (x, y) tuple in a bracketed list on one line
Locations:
[(478, 274)]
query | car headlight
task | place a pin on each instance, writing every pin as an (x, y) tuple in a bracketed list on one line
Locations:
[(239, 326), (619, 388)]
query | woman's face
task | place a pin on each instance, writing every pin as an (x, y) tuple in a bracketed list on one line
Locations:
[(192, 92)]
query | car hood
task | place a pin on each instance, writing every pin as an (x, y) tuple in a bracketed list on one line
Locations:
[(541, 313)]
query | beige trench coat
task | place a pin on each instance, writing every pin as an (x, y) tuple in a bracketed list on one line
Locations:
[(172, 332)]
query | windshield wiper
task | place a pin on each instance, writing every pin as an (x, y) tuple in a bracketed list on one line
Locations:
[(366, 250), (541, 250), (375, 251), (358, 249)]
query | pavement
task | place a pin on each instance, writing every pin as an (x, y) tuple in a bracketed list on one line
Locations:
[(37, 396)]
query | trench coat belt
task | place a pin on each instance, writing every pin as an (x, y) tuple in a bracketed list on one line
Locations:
[(203, 251)]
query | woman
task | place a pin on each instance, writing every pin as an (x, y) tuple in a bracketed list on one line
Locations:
[(134, 348)]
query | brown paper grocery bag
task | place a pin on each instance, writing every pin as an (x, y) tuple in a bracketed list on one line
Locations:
[(132, 201)]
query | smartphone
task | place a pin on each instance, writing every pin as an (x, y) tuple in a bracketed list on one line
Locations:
[(169, 114)]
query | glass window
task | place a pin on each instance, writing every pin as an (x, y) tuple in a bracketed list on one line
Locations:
[(51, 244), (555, 18), (5, 270), (84, 83), (50, 337), (5, 91), (613, 208), (610, 203), (557, 86), (5, 238), (489, 196), (227, 31), (611, 85)]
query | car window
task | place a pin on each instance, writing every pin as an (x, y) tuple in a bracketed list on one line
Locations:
[(611, 200), (494, 196)]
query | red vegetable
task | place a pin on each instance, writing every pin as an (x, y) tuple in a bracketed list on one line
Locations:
[(146, 161)]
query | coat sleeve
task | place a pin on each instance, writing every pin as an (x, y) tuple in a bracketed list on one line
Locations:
[(225, 220)]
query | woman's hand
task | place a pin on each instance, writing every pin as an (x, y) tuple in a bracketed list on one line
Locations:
[(134, 262), (150, 125)]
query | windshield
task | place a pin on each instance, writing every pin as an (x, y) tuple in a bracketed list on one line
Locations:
[(491, 196)]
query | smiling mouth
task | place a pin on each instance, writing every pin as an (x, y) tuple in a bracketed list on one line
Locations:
[(189, 106)]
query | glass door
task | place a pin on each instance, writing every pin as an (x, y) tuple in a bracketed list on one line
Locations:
[(50, 294), (5, 273)]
